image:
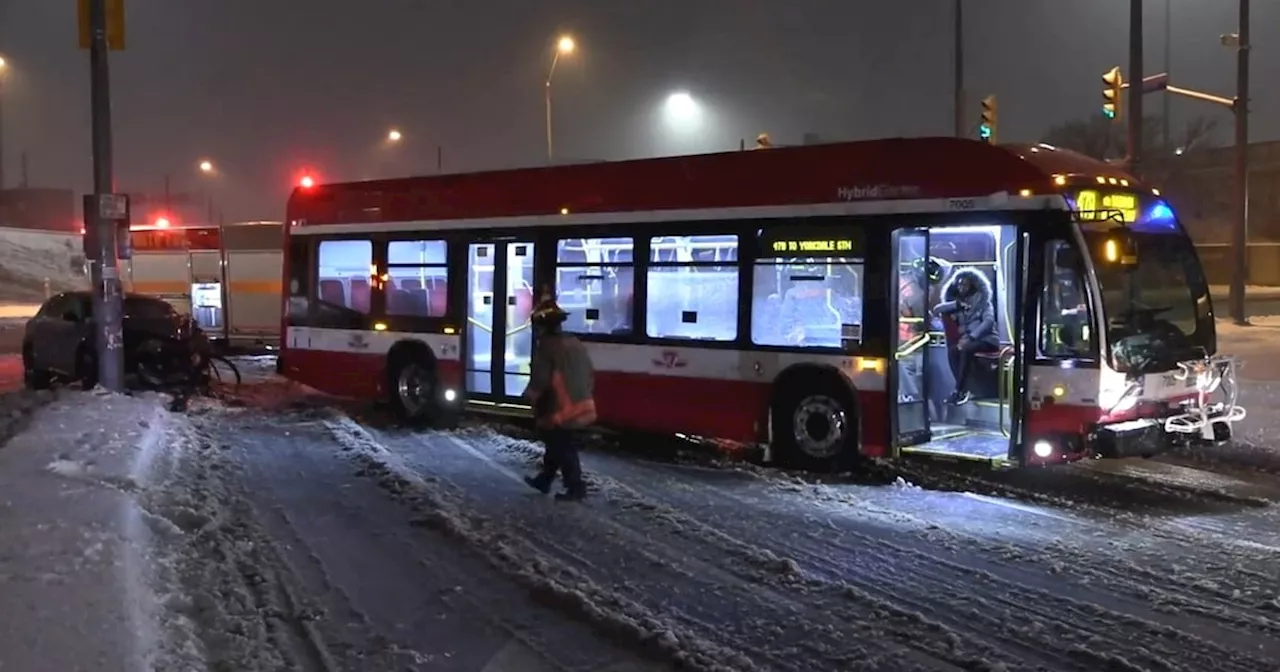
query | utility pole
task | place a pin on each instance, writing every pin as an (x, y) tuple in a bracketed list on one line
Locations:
[(1239, 232), (1135, 91), (107, 297), (1166, 116), (2, 68), (958, 61)]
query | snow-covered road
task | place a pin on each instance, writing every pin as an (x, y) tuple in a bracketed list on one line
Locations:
[(354, 545)]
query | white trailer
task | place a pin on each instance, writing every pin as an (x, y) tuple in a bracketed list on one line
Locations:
[(227, 277)]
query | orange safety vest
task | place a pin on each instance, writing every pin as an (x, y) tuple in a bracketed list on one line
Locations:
[(562, 369)]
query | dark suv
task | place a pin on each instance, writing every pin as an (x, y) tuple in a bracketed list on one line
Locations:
[(60, 343)]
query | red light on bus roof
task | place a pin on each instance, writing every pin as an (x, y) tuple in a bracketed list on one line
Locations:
[(307, 182), (162, 222)]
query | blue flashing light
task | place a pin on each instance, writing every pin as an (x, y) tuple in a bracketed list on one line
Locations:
[(1159, 217), (1160, 212)]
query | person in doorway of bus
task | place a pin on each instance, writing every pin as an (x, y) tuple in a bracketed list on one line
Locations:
[(911, 328), (561, 386), (975, 317)]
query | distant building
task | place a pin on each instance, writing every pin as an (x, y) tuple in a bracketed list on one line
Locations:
[(39, 209), (1201, 187)]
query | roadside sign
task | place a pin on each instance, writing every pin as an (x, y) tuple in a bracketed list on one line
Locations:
[(113, 206), (115, 24)]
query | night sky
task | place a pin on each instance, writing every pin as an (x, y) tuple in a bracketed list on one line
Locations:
[(268, 88)]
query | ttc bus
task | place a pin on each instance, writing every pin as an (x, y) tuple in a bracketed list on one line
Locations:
[(786, 298)]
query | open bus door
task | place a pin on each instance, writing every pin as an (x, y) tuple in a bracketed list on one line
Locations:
[(907, 373), (986, 429)]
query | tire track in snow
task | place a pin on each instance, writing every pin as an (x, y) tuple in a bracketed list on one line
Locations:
[(828, 633), (1013, 596), (671, 523), (557, 583), (1215, 588), (420, 602)]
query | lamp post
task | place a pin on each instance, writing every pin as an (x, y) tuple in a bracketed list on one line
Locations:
[(564, 47)]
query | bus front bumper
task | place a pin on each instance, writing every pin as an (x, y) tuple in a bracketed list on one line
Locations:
[(1145, 437)]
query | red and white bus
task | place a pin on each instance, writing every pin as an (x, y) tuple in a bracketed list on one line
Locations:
[(778, 298)]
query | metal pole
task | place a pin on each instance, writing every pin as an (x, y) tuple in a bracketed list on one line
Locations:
[(1166, 116), (1239, 232), (107, 298), (550, 73), (1135, 91), (549, 145), (2, 182), (958, 61)]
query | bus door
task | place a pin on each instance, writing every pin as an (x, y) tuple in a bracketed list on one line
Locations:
[(498, 338), (908, 341)]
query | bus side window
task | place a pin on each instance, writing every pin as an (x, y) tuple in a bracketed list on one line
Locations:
[(1066, 319)]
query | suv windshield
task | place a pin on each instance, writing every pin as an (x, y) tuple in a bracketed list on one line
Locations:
[(1157, 312)]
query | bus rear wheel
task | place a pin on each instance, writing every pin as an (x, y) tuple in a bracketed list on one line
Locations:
[(815, 429)]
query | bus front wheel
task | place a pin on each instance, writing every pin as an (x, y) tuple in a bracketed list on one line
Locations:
[(413, 390), (815, 428)]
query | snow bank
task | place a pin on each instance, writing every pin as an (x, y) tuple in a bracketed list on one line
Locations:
[(33, 263), (74, 558)]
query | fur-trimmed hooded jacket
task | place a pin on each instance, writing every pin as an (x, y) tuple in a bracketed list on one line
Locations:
[(974, 314)]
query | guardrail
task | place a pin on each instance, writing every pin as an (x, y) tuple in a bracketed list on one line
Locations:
[(1263, 263)]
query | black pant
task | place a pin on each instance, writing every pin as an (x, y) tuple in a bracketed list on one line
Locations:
[(562, 456), (966, 353)]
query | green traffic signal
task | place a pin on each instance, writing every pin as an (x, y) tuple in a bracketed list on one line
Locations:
[(984, 131)]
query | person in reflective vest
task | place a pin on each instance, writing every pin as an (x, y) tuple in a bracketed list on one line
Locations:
[(561, 385)]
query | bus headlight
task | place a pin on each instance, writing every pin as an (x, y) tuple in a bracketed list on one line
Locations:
[(450, 396), (1042, 448)]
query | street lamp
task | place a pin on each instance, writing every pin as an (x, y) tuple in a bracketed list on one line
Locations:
[(394, 135), (206, 166), (682, 110), (565, 46)]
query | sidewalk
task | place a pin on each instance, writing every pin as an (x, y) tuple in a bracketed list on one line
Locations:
[(73, 548)]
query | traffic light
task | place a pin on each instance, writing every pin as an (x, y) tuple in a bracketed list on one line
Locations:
[(1111, 96), (990, 117)]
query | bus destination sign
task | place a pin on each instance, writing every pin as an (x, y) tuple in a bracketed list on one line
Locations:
[(813, 247), (782, 241), (1098, 206)]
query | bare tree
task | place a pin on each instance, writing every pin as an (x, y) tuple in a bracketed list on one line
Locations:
[(1103, 139)]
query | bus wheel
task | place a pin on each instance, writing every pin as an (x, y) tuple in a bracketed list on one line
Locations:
[(413, 390), (815, 429)]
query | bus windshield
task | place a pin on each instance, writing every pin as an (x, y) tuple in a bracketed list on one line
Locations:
[(1156, 312)]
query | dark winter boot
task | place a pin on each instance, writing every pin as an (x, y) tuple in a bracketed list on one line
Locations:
[(539, 483), (571, 496)]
